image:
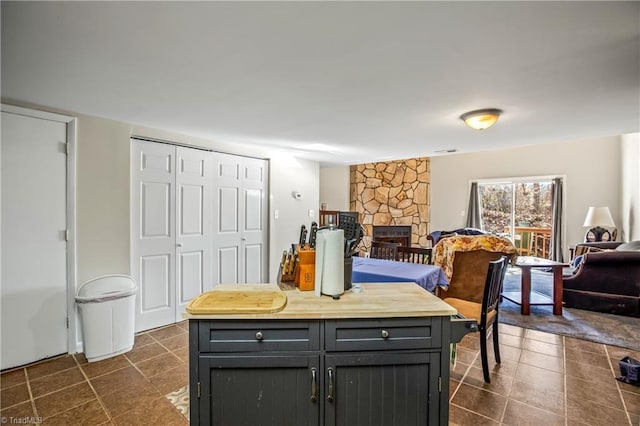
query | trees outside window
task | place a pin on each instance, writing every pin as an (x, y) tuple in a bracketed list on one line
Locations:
[(525, 204)]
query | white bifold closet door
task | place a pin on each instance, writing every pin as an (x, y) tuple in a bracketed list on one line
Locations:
[(240, 237), (171, 229)]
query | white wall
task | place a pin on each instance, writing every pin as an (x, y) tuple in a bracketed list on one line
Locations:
[(334, 187), (630, 208), (591, 169), (103, 192), (289, 174)]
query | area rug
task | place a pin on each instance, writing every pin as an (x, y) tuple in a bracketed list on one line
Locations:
[(180, 400), (597, 327)]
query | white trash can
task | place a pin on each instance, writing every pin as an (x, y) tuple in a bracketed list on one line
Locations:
[(107, 307)]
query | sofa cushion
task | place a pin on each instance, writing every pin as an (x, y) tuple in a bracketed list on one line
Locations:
[(630, 246)]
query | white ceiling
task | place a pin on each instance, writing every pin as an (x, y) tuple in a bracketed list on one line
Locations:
[(370, 80)]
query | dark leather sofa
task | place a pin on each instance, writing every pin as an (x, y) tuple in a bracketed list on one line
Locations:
[(607, 279)]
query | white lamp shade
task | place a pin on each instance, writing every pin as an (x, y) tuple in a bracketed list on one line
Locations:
[(599, 216)]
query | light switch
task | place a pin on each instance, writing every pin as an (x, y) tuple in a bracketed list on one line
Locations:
[(276, 214), (311, 212)]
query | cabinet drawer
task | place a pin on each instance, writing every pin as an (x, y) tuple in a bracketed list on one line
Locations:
[(383, 334), (250, 336)]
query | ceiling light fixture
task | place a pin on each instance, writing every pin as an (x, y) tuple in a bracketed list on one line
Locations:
[(481, 119)]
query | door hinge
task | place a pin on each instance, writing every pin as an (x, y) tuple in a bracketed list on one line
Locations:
[(67, 148), (66, 235), (67, 322), (439, 384), (198, 389)]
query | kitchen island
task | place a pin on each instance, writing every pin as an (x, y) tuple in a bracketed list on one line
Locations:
[(378, 357)]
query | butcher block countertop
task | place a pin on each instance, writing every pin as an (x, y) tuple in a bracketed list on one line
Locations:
[(383, 300)]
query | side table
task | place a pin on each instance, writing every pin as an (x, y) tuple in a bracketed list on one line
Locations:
[(525, 298)]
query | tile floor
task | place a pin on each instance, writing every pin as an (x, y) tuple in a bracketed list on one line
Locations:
[(544, 379), (128, 389)]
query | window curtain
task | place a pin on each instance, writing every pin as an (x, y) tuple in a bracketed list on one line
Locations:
[(556, 225), (474, 219)]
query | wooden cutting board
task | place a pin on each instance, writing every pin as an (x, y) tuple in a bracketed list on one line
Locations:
[(239, 299)]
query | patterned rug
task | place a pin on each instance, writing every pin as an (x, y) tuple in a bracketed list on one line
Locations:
[(180, 399), (597, 327)]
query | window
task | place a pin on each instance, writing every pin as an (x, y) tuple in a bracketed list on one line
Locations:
[(520, 209)]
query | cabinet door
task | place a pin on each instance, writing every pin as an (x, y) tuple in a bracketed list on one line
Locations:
[(381, 389), (258, 390)]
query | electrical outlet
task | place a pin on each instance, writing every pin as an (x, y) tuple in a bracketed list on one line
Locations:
[(462, 213), (311, 213)]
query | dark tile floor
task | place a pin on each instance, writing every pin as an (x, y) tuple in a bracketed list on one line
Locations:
[(544, 379), (128, 389)]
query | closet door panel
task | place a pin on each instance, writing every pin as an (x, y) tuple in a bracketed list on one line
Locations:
[(226, 218), (194, 180), (254, 219), (153, 225), (228, 261)]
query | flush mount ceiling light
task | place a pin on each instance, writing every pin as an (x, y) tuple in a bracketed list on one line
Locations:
[(481, 119)]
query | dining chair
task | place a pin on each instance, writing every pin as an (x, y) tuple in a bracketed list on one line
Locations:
[(329, 217), (384, 250), (485, 313), (414, 254)]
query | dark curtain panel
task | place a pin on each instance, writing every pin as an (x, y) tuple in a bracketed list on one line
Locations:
[(474, 219), (556, 226)]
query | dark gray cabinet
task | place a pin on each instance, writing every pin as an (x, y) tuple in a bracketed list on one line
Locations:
[(257, 390), (344, 372)]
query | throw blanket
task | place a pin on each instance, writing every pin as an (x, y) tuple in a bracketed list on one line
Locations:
[(444, 252)]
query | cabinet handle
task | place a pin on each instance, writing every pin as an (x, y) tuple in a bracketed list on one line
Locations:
[(314, 386), (385, 334), (259, 335), (330, 395)]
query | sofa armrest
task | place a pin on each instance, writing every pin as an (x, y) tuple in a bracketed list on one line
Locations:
[(610, 272), (583, 248)]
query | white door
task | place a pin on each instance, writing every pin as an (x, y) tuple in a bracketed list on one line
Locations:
[(240, 220), (194, 180), (153, 248), (226, 218), (34, 248), (254, 229), (171, 229)]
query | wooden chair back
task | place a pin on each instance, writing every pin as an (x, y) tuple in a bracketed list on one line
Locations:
[(492, 288), (414, 254), (329, 217), (384, 250)]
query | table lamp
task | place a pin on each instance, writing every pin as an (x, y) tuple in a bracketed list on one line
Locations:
[(598, 218)]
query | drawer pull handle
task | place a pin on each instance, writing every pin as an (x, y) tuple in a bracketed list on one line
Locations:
[(259, 335), (385, 334), (314, 386), (330, 392)]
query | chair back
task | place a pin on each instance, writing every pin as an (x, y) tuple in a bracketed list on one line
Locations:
[(384, 250), (493, 287), (329, 217), (414, 254), (465, 260)]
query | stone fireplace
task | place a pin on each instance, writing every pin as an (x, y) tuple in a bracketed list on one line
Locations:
[(394, 193), (394, 234)]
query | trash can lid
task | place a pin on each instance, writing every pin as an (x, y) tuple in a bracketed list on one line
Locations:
[(106, 287)]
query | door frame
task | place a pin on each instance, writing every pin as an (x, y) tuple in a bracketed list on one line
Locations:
[(73, 344)]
